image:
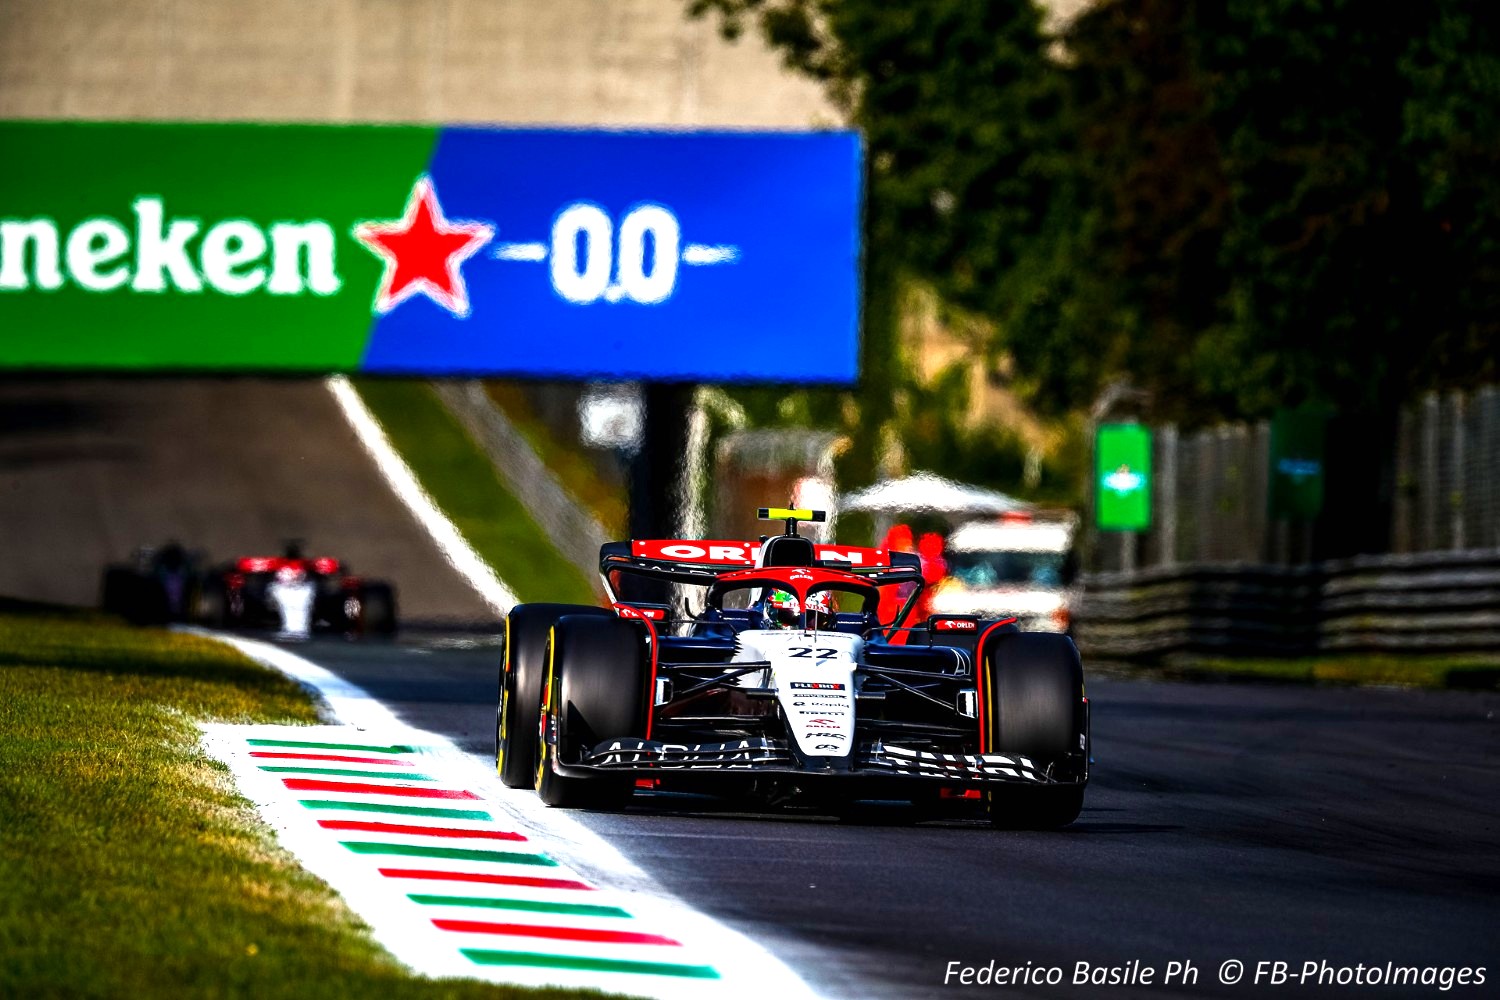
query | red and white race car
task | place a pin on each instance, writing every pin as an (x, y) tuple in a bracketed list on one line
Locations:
[(789, 683), (291, 593)]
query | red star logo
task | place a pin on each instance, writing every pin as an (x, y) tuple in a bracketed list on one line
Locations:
[(423, 252)]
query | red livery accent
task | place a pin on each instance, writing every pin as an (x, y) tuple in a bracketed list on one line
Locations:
[(954, 625), (981, 678), (728, 552), (323, 565), (627, 611), (553, 933), (531, 881), (364, 788), (651, 681), (960, 793)]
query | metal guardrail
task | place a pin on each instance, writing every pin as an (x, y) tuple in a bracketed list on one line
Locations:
[(1429, 602), (571, 528)]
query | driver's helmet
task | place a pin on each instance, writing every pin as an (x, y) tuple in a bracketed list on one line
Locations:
[(781, 609), (820, 610), (288, 575)]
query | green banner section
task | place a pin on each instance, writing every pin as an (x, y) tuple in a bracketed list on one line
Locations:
[(194, 246), (1296, 472), (1122, 477)]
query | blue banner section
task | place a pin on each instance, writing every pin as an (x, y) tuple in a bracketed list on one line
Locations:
[(681, 256)]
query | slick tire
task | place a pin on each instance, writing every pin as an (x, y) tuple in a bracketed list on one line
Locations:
[(213, 603), (378, 609), (522, 673), (1034, 707), (597, 691)]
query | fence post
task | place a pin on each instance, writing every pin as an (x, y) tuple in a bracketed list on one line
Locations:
[(1458, 486), (1428, 485), (1403, 511), (1259, 543), (1486, 465), (1166, 482)]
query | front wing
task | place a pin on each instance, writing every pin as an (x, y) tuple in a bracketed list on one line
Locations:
[(763, 755)]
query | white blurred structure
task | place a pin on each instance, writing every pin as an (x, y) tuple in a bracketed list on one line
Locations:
[(927, 493), (1017, 566)]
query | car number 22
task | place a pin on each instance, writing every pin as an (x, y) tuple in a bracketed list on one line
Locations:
[(807, 652)]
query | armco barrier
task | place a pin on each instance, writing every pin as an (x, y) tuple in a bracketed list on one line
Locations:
[(1432, 602)]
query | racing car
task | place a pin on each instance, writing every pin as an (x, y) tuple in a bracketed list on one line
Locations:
[(291, 593), (786, 684)]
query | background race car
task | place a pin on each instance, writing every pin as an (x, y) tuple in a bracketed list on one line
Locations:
[(291, 593), (789, 685)]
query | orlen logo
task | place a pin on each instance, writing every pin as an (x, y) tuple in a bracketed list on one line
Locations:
[(955, 625), (801, 574), (732, 553)]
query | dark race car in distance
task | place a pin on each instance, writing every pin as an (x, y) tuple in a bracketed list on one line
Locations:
[(789, 684), (290, 593)]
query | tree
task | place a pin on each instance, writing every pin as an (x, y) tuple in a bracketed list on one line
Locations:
[(958, 103)]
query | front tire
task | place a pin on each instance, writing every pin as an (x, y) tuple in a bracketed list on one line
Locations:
[(1036, 709), (522, 673), (598, 676)]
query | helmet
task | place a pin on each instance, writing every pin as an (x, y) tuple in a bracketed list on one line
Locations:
[(781, 609), (820, 610), (290, 574)]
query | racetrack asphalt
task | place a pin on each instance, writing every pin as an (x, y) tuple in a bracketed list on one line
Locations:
[(1223, 821), (92, 468)]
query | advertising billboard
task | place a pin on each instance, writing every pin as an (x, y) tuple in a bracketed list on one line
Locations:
[(1296, 456), (689, 256), (1122, 477)]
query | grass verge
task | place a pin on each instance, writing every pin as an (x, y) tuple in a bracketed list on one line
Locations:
[(571, 467), (1415, 671), (128, 865), (462, 482)]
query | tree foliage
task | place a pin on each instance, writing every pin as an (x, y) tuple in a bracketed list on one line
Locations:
[(1235, 205)]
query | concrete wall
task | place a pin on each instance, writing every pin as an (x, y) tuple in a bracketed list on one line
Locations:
[(573, 62)]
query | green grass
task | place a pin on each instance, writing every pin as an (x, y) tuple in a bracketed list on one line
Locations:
[(568, 463), (460, 479), (1415, 670), (128, 864)]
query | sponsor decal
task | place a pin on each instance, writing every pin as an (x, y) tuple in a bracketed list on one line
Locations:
[(955, 625), (151, 254), (801, 574), (816, 686), (626, 611), (736, 553), (422, 252)]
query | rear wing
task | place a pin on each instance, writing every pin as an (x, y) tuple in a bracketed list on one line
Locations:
[(701, 561)]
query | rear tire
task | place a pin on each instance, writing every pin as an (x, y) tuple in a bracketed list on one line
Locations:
[(377, 609), (597, 691), (1035, 708), (522, 673)]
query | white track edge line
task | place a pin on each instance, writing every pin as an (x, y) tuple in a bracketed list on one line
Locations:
[(754, 970), (403, 482)]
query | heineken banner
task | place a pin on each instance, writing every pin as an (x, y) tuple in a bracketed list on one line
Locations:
[(1122, 477), (559, 254)]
